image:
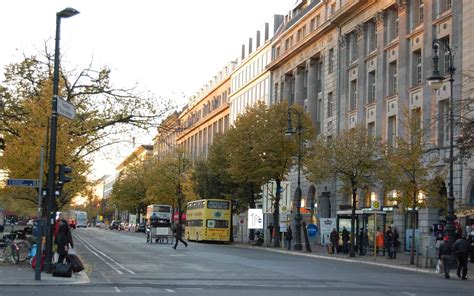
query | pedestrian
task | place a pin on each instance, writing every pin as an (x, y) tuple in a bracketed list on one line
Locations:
[(345, 240), (361, 242), (289, 237), (444, 254), (461, 250), (179, 235), (396, 242), (379, 240), (388, 242), (334, 238), (270, 229), (63, 240)]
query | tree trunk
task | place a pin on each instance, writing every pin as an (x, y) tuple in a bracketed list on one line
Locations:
[(353, 215), (412, 249), (276, 214)]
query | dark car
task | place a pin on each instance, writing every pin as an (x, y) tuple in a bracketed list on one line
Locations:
[(141, 227), (114, 225)]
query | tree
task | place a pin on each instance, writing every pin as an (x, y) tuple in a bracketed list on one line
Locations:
[(130, 188), (351, 157), (104, 113), (413, 174), (171, 178)]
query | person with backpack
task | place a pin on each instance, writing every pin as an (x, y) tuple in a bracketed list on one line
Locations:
[(63, 240)]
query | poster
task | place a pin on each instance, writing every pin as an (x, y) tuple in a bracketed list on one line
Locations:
[(327, 225)]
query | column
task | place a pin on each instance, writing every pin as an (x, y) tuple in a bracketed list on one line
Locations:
[(379, 75), (403, 63), (361, 72), (312, 90), (299, 86)]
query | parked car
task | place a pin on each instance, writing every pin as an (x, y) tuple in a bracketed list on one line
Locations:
[(141, 227), (114, 225)]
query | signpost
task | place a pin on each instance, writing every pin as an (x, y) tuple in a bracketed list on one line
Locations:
[(66, 109), (375, 204), (34, 183)]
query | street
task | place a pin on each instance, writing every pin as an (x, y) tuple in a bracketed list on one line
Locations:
[(122, 263)]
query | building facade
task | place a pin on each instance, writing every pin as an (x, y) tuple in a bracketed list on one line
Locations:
[(366, 62)]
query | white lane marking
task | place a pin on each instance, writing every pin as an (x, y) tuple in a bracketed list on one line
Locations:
[(87, 243), (409, 294), (117, 289), (87, 247), (113, 267), (124, 268), (169, 290)]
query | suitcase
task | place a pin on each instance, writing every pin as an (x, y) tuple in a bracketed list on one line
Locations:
[(77, 265), (62, 270)]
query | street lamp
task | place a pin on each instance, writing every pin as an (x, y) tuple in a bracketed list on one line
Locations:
[(289, 132), (66, 13), (436, 81)]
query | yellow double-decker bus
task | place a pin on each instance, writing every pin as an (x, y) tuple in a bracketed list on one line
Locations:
[(208, 220)]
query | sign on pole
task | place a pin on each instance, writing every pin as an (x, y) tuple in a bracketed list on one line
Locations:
[(66, 109), (375, 204), (23, 182), (255, 220)]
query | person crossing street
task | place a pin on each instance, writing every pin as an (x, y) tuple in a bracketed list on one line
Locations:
[(179, 236)]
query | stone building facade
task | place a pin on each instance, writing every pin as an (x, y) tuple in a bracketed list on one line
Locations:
[(366, 62)]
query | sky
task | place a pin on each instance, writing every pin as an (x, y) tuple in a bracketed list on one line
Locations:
[(171, 48)]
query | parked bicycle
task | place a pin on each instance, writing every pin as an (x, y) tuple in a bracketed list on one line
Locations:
[(11, 251), (14, 250)]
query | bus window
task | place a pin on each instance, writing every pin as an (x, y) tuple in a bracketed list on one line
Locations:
[(217, 224), (221, 205)]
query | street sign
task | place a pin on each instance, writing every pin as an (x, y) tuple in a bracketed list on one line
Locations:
[(375, 205), (23, 182), (66, 109), (312, 230)]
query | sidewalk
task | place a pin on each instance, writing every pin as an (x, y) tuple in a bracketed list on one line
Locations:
[(23, 275), (402, 262)]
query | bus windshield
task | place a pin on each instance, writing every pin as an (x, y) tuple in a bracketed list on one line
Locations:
[(220, 205)]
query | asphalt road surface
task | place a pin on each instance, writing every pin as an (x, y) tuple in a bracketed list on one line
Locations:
[(122, 263)]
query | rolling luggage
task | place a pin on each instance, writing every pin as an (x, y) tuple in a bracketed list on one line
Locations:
[(62, 270), (76, 263)]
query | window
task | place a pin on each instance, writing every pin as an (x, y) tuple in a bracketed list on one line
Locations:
[(312, 24), (331, 61), (371, 129), (421, 13), (353, 48), (287, 44), (443, 123), (444, 5), (318, 20), (444, 56), (393, 78), (299, 35), (330, 104), (417, 13), (392, 25), (371, 87), (371, 37), (353, 95), (417, 67), (392, 130)]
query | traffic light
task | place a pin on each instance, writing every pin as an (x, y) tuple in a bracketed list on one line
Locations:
[(64, 172)]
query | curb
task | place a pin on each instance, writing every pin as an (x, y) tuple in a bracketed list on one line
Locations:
[(80, 278), (420, 270)]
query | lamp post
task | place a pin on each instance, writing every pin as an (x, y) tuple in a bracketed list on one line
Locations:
[(289, 132), (436, 81), (51, 188)]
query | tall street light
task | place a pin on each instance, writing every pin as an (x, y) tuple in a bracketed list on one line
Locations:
[(51, 188), (289, 132), (436, 81)]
